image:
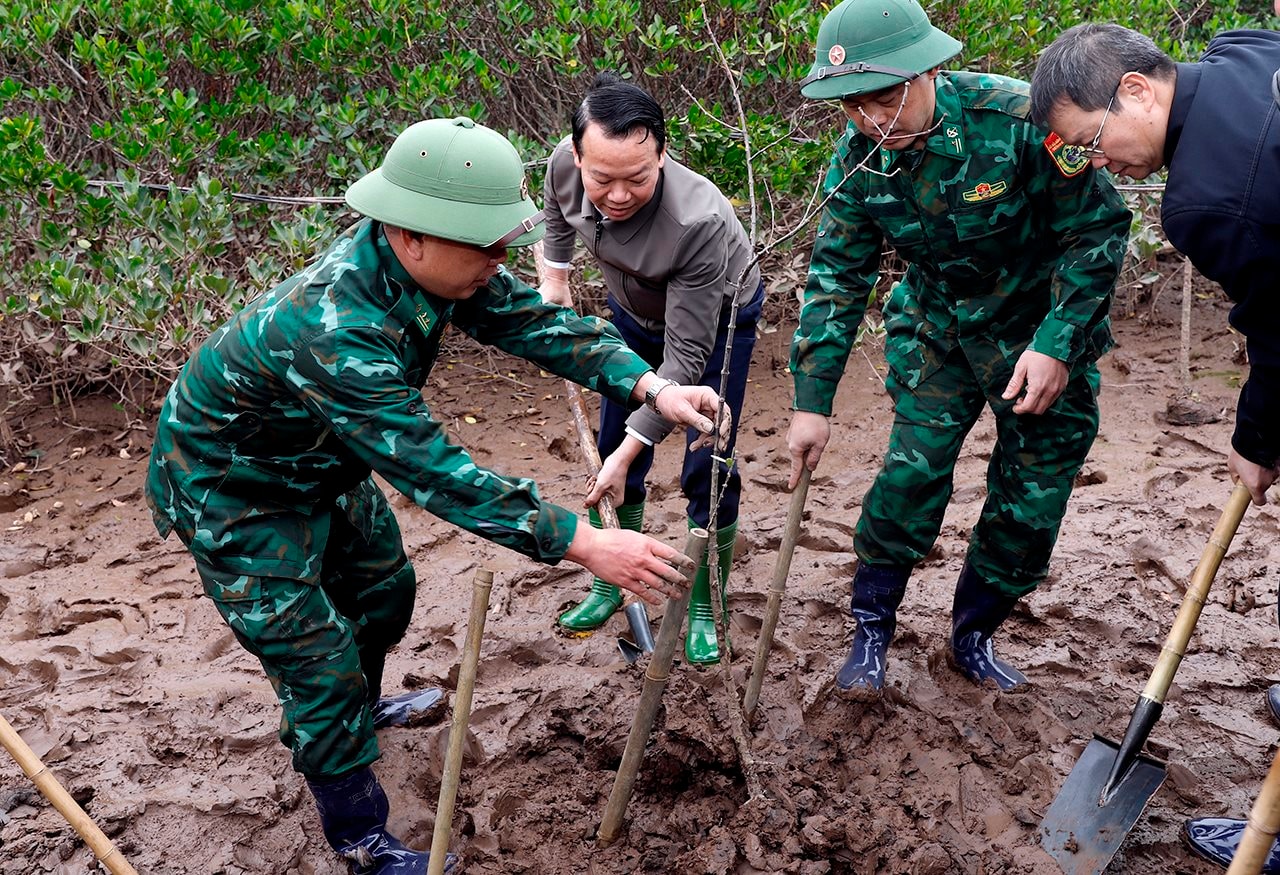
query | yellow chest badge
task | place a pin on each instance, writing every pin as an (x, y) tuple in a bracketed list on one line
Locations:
[(1070, 159), (985, 191)]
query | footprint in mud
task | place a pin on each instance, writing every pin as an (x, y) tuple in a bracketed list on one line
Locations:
[(1163, 486), (520, 656)]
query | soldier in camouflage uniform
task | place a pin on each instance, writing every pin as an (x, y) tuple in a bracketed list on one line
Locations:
[(265, 446), (1013, 245)]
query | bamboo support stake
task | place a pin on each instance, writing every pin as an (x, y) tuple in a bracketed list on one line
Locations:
[(40, 775), (1261, 828), (777, 588), (480, 588), (655, 681)]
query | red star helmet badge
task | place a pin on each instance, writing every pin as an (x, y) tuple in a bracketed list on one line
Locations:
[(836, 54)]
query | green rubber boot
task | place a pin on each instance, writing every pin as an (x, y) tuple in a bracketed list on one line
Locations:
[(605, 598), (701, 646)]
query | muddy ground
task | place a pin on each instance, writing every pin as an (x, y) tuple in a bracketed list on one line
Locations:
[(125, 681)]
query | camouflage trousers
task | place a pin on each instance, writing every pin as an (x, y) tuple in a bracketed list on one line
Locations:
[(1029, 477), (323, 644)]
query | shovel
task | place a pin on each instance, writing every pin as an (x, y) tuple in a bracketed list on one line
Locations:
[(1105, 793), (633, 608), (637, 616)]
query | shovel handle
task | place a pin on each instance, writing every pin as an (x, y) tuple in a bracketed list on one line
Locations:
[(1261, 829), (97, 841), (1175, 646), (480, 588), (590, 454), (581, 419), (777, 587)]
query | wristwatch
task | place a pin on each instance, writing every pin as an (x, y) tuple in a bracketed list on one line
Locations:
[(651, 396)]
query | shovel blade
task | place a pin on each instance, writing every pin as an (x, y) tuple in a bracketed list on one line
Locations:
[(629, 651), (1080, 832)]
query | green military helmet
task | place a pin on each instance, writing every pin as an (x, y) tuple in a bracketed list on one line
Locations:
[(453, 179), (866, 45)]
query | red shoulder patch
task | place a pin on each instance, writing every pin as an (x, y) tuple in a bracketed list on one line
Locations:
[(1070, 160)]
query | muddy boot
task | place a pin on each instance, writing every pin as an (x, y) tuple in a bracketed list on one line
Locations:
[(605, 598), (353, 813), (976, 613), (877, 592), (701, 647), (1217, 838)]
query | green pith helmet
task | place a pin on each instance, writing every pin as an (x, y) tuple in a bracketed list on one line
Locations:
[(866, 45), (452, 179)]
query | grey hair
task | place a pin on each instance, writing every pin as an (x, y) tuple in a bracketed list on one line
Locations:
[(1084, 65)]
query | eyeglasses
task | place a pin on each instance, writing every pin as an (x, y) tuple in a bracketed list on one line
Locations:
[(1092, 150)]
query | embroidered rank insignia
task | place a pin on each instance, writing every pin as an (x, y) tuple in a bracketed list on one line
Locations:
[(985, 191), (1070, 159), (424, 321)]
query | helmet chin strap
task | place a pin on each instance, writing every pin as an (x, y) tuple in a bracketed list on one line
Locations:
[(884, 137)]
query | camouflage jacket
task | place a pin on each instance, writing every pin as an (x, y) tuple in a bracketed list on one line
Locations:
[(311, 386), (1011, 238)]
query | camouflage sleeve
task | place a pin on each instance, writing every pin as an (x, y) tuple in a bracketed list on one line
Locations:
[(511, 315), (842, 274), (1091, 224), (353, 379)]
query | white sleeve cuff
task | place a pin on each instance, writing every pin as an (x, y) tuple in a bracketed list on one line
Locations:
[(635, 434), (559, 265)]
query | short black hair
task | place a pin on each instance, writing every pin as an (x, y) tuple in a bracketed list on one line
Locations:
[(1084, 65), (621, 109)]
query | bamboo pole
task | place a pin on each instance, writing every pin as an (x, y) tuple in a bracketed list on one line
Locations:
[(480, 588), (40, 775), (1175, 646), (655, 681), (1261, 828), (777, 588)]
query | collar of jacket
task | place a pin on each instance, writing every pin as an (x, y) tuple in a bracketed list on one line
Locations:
[(948, 138), (626, 229), (1185, 85), (411, 304)]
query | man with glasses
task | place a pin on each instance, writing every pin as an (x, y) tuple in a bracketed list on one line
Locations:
[(1013, 244), (266, 444), (1216, 125)]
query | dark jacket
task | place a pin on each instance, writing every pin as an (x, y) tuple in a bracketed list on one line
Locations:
[(1222, 208)]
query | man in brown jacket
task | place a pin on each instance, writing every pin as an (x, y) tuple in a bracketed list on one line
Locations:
[(673, 254)]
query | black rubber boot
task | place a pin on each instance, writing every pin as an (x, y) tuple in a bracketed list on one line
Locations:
[(877, 592), (1217, 839), (976, 613), (353, 813)]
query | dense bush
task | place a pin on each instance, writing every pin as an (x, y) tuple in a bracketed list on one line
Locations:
[(138, 136)]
